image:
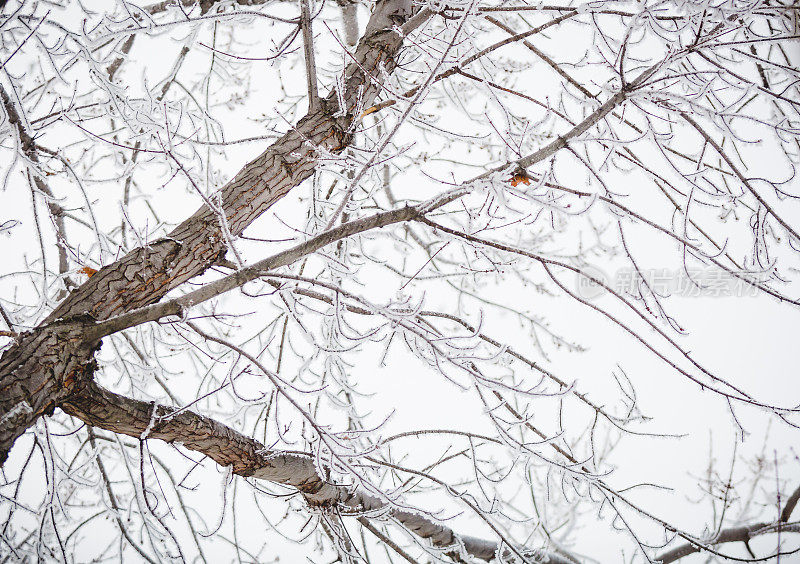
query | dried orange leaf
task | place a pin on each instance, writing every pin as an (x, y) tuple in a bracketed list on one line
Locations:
[(520, 178)]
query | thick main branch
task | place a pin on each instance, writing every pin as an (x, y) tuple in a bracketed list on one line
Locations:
[(35, 378), (247, 457)]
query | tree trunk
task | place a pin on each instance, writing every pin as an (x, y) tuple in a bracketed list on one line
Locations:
[(41, 368)]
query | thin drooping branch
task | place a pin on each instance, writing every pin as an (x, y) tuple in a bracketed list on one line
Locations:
[(30, 151), (735, 393), (205, 6), (247, 457), (112, 499), (744, 180)]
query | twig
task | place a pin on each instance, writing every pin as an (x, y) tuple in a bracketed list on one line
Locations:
[(308, 50)]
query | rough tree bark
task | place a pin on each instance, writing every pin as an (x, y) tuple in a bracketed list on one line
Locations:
[(53, 366), (44, 365), (248, 457)]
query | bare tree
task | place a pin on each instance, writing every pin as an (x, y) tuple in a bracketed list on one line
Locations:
[(341, 353)]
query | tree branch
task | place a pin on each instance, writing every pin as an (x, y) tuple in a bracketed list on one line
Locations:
[(247, 457), (308, 52), (733, 534), (247, 274), (33, 380), (29, 150)]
